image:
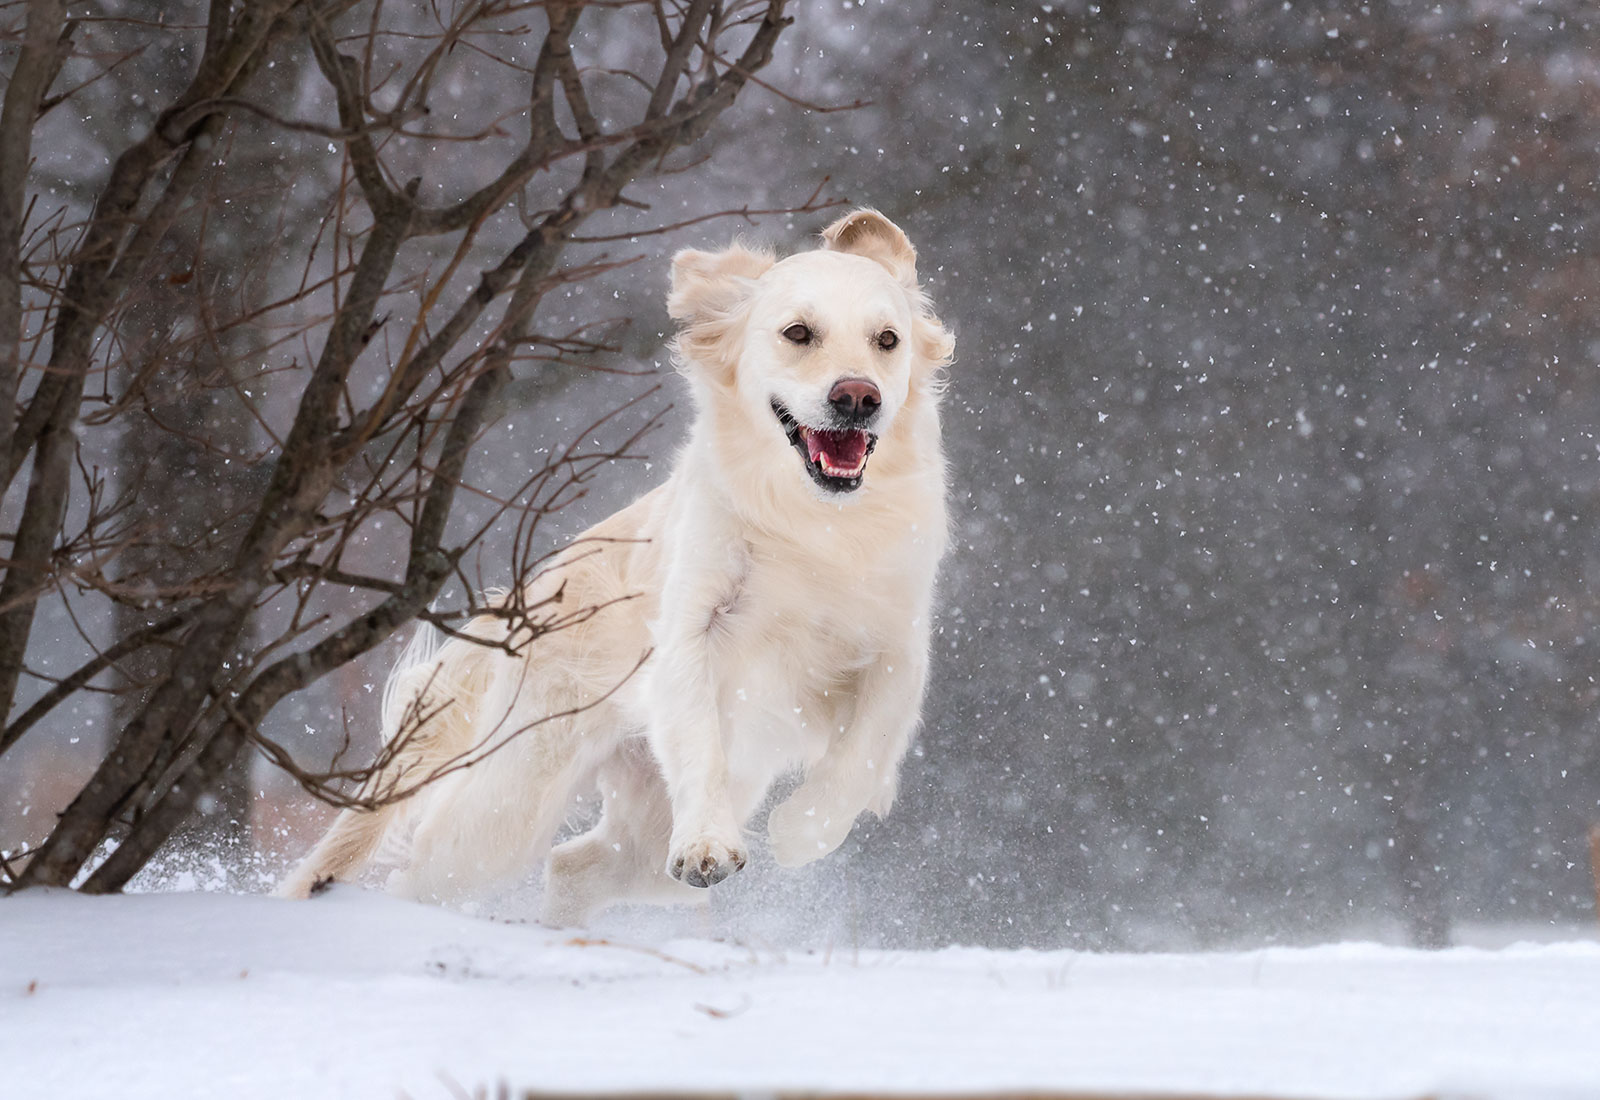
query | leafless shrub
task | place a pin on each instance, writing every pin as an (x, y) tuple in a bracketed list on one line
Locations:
[(366, 334)]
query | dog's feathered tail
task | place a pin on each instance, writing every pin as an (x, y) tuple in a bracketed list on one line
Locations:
[(427, 724)]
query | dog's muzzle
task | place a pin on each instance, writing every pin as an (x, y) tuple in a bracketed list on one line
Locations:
[(836, 458)]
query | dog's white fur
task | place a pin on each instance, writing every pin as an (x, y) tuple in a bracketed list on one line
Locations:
[(786, 626)]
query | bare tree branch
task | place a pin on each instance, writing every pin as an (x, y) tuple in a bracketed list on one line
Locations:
[(379, 433), (39, 60)]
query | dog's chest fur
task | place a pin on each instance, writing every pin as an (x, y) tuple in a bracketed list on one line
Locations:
[(788, 646), (821, 624)]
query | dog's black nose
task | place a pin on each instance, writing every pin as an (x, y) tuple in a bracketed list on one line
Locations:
[(855, 398)]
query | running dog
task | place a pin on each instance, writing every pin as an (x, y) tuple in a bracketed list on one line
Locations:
[(777, 588)]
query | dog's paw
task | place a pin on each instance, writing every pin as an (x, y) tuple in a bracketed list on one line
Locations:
[(704, 861), (801, 831)]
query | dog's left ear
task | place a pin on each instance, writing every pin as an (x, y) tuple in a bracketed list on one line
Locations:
[(868, 233)]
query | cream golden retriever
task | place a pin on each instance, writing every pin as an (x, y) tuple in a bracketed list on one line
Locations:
[(781, 583)]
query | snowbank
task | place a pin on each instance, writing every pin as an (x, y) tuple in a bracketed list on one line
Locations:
[(355, 995)]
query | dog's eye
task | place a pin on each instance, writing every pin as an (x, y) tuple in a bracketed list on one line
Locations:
[(797, 333), (888, 340)]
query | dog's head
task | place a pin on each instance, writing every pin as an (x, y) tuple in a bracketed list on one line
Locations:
[(821, 351)]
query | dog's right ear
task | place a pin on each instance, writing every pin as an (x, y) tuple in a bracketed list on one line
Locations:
[(708, 291)]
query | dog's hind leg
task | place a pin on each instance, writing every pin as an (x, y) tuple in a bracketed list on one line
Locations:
[(494, 819), (489, 824), (623, 858), (345, 849), (425, 715)]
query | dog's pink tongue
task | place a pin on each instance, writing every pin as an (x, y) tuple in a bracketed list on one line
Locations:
[(844, 449)]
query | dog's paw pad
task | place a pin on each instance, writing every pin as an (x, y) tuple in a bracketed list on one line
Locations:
[(705, 863)]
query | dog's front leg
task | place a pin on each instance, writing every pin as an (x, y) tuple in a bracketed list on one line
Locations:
[(860, 770), (685, 730)]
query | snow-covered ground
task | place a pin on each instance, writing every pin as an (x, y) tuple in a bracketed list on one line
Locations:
[(355, 995)]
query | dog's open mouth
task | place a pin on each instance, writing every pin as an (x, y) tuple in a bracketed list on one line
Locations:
[(836, 458)]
